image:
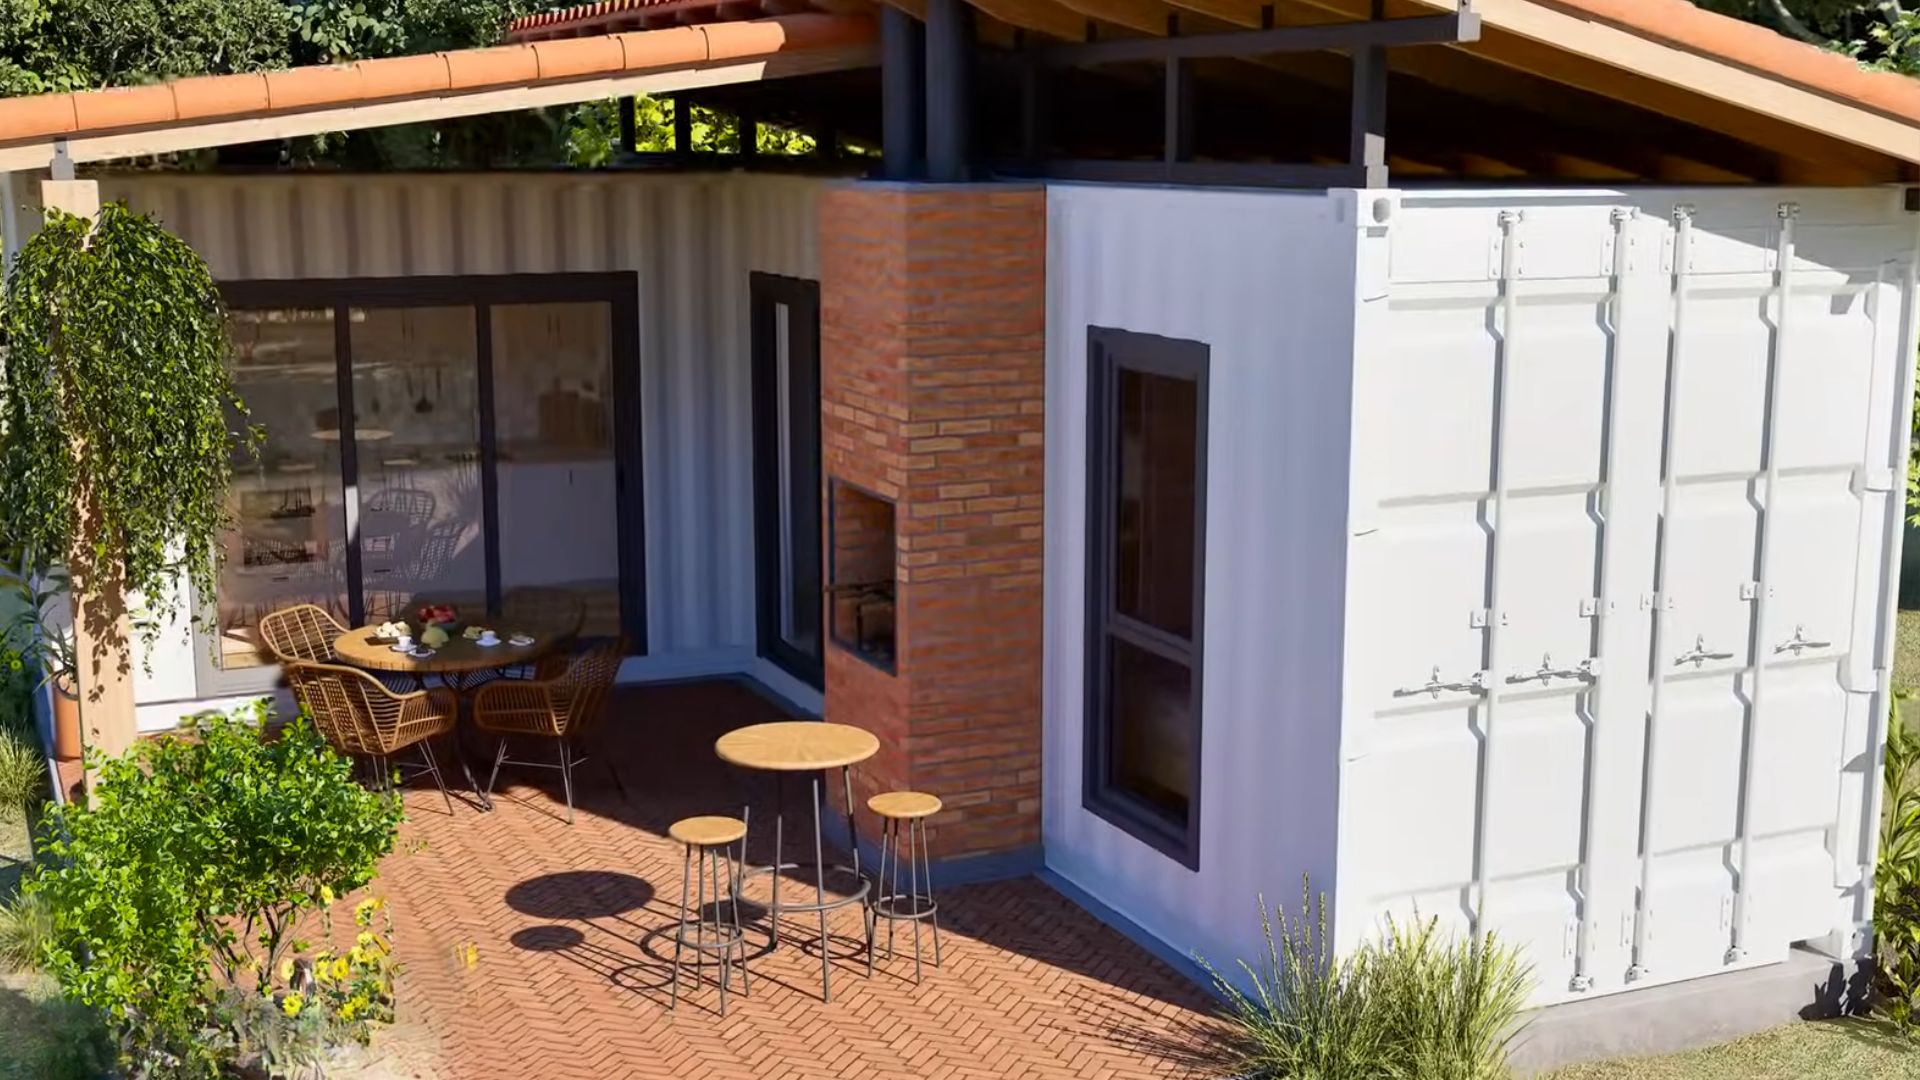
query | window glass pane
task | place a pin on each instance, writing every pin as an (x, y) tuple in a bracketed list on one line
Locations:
[(553, 407), (416, 429), (1151, 738), (286, 546), (1154, 506)]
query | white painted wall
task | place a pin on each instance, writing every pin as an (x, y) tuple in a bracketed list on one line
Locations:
[(1265, 280), (692, 240)]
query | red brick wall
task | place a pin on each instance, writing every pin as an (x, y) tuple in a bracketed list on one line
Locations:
[(933, 313)]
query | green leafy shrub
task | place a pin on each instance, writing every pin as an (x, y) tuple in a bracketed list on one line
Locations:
[(1413, 1005), (179, 896), (1896, 882)]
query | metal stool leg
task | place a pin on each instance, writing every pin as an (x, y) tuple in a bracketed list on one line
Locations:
[(680, 932), (712, 858), (893, 890), (927, 851), (736, 873), (914, 883), (873, 896)]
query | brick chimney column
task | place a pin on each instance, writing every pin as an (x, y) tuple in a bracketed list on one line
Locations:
[(932, 326)]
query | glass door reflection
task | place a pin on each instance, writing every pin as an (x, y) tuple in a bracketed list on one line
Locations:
[(420, 522)]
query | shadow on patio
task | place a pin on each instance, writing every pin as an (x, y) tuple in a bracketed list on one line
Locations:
[(534, 949)]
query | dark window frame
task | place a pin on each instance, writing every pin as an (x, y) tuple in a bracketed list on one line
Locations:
[(802, 299), (482, 292), (1109, 352)]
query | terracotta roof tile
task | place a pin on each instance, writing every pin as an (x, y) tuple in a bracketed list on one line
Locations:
[(224, 97), (572, 58), (400, 76), (646, 49), (312, 87), (133, 106), (38, 117), (1680, 23), (591, 18), (210, 96), (473, 69)]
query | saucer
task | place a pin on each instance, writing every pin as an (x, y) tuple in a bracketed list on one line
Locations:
[(485, 643), (420, 652), (397, 647), (520, 640)]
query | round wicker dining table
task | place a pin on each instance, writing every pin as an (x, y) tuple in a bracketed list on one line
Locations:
[(815, 748), (363, 647)]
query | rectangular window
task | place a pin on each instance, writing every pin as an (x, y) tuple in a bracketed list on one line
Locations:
[(1146, 585)]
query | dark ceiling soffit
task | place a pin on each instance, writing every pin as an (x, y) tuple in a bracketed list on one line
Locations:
[(1451, 28)]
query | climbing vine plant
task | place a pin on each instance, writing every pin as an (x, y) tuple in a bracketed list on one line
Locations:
[(114, 393)]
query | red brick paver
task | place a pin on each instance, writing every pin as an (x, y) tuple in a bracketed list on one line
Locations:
[(569, 930)]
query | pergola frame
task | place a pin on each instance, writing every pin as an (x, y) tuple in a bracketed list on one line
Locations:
[(932, 65)]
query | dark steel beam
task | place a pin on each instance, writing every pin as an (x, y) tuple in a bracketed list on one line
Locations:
[(683, 127), (1194, 173), (949, 116), (1450, 28)]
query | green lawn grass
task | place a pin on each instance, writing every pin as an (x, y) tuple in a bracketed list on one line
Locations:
[(1906, 651), (1830, 1050)]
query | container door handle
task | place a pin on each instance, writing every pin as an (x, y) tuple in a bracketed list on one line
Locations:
[(1799, 641), (1700, 653)]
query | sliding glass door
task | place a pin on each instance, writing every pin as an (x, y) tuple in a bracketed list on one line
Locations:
[(787, 493), (443, 439)]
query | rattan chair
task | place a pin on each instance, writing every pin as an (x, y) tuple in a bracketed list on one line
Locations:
[(563, 707), (357, 714), (303, 633)]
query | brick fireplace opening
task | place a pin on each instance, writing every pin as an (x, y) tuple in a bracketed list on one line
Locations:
[(860, 580)]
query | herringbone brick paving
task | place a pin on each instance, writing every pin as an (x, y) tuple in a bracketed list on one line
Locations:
[(535, 949)]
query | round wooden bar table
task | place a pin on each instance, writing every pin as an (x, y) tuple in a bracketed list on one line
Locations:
[(815, 748), (362, 647)]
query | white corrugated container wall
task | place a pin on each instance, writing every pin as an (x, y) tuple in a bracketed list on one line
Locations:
[(1386, 396), (691, 240), (1585, 724), (1265, 280)]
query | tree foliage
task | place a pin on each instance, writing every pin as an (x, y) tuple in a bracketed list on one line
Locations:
[(114, 392)]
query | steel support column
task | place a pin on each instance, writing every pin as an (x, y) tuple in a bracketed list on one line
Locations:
[(1367, 150), (949, 56), (903, 82)]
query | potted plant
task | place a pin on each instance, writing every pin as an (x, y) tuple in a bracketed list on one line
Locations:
[(48, 642)]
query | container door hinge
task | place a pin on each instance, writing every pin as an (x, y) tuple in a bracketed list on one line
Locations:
[(1477, 618), (1750, 590), (1591, 606), (1653, 601)]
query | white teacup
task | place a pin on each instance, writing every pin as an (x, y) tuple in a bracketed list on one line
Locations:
[(404, 642), (489, 638)]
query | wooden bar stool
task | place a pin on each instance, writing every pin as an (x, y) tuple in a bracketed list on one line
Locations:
[(712, 839), (916, 905)]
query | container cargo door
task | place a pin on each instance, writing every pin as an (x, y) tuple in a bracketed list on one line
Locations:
[(1589, 680)]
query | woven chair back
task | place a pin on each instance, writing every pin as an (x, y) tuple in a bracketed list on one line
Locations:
[(303, 633)]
